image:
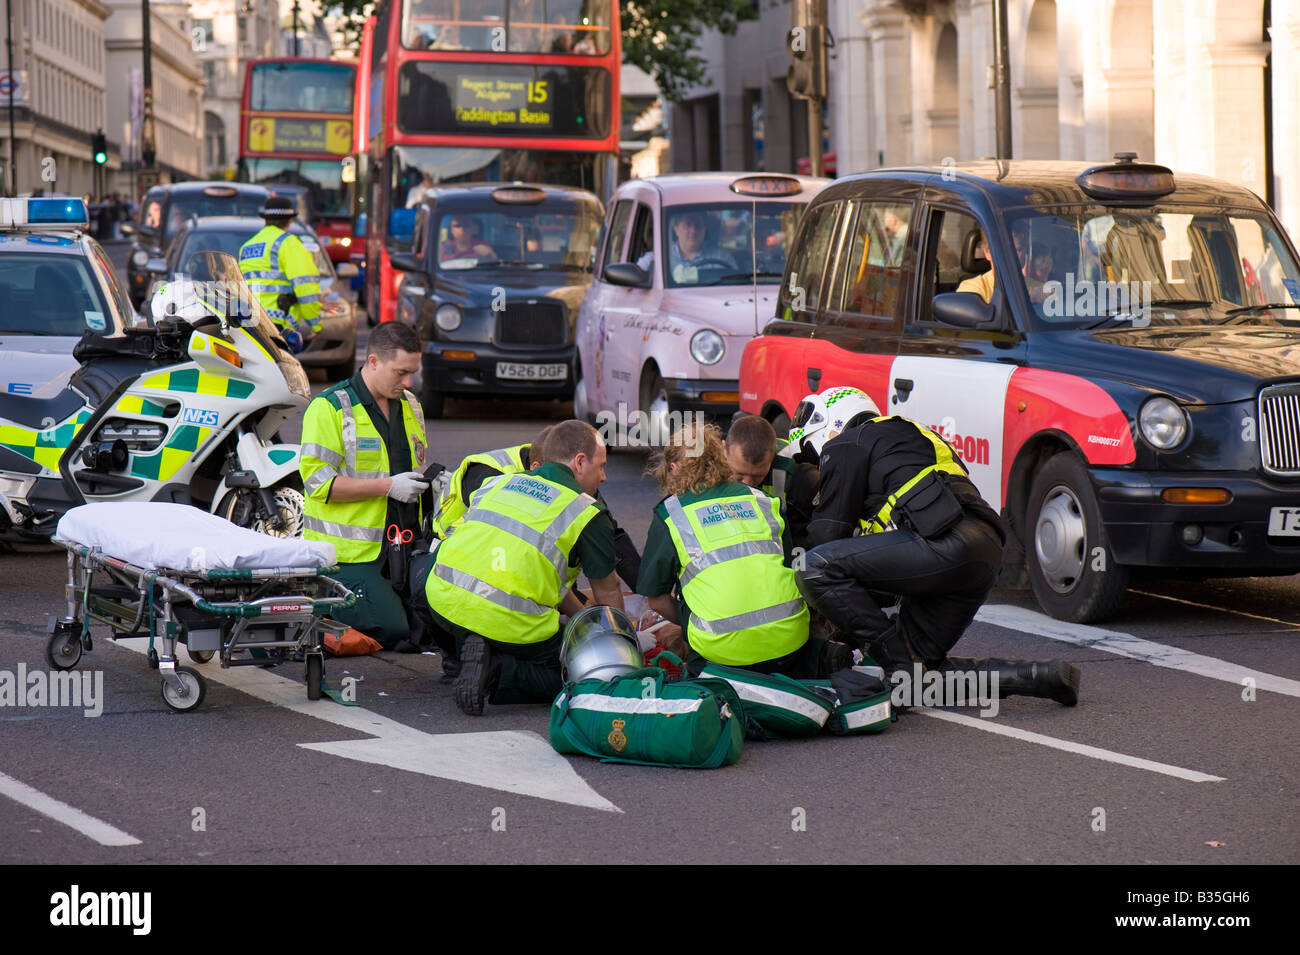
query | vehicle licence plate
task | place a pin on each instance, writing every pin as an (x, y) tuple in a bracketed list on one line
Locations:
[(507, 369), (1284, 522)]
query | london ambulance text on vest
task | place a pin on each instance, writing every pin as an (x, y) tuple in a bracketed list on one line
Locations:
[(727, 511)]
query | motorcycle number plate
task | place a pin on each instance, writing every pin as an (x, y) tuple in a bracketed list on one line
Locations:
[(1284, 522)]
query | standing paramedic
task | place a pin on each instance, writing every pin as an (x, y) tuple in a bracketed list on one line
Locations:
[(363, 445), (500, 581), (282, 273)]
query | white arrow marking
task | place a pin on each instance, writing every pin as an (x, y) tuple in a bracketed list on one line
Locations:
[(1127, 645), (70, 816), (514, 761)]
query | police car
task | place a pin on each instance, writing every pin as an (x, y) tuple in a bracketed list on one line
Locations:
[(56, 282), (1113, 351), (689, 268)]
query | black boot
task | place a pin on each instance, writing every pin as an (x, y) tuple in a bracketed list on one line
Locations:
[(1047, 679)]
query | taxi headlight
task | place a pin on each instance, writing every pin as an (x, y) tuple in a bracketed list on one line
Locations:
[(707, 347), (139, 257), (447, 317), (1163, 423)]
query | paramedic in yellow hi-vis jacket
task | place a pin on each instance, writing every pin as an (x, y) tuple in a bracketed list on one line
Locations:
[(282, 274), (363, 445), (724, 548), (500, 580)]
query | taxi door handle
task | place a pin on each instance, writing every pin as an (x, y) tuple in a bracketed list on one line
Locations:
[(814, 378), (903, 389)]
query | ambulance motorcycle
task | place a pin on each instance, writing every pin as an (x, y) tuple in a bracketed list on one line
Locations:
[(185, 407)]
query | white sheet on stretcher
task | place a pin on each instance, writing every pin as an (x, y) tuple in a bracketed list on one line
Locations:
[(184, 538)]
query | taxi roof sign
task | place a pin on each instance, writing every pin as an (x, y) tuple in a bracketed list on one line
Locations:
[(519, 193), (767, 186), (1126, 178), (48, 213)]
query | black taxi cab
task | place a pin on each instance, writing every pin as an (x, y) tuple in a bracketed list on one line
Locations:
[(492, 284), (1112, 350)]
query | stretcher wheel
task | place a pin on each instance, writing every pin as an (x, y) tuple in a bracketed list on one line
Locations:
[(63, 649), (152, 657), (195, 688), (200, 656), (315, 675)]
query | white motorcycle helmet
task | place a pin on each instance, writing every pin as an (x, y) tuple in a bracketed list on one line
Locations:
[(821, 417), (599, 644), (180, 299)]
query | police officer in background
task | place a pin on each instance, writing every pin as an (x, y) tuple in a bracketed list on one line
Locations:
[(282, 273), (927, 536), (499, 582), (363, 442)]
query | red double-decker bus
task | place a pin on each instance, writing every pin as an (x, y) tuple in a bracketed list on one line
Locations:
[(481, 90), (296, 129)]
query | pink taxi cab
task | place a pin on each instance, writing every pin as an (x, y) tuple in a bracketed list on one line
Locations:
[(687, 274)]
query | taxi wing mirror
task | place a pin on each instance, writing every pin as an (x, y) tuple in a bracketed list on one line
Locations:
[(405, 262), (156, 265), (626, 274), (962, 310)]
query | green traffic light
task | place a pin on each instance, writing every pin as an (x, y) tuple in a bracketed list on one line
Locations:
[(101, 158)]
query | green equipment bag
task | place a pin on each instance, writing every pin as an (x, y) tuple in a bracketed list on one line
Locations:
[(638, 718), (872, 714), (775, 705)]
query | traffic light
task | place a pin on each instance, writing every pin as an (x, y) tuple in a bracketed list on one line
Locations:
[(99, 147), (806, 42)]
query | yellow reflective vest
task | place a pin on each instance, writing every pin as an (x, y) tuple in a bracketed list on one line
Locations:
[(944, 460), (338, 438), (503, 572), (451, 508), (744, 604), (273, 262)]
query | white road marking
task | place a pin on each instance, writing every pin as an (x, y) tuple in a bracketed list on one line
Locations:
[(514, 761), (1127, 645), (1137, 762), (70, 816), (1239, 613)]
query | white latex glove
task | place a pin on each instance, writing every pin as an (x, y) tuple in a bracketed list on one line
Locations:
[(407, 486)]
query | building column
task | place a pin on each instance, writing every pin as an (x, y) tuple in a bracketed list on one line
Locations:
[(890, 93), (1286, 119), (850, 110)]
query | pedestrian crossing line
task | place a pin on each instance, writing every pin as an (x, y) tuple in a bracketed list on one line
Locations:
[(1137, 648), (72, 817), (1080, 749), (1239, 613)]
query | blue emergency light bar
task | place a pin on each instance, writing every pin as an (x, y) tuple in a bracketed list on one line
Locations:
[(58, 213)]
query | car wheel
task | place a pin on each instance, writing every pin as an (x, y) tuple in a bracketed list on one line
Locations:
[(654, 403), (1072, 568)]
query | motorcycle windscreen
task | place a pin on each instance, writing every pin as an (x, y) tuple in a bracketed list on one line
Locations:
[(220, 271)]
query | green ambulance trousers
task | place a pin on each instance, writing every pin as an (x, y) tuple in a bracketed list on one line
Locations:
[(380, 611)]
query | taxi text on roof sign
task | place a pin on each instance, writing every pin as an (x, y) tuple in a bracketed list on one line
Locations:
[(767, 186), (43, 213)]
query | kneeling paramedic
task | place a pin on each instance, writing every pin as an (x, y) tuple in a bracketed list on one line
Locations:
[(500, 580), (363, 440), (282, 273), (477, 468), (927, 536), (724, 547)]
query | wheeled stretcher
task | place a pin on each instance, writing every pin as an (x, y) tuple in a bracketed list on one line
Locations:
[(218, 589)]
